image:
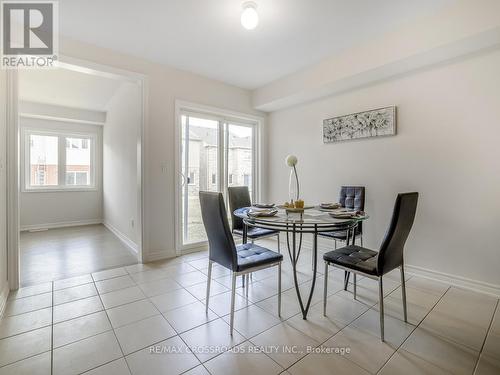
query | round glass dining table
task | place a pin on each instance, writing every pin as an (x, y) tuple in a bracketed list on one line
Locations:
[(312, 221)]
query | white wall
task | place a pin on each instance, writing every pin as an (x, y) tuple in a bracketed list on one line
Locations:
[(3, 192), (52, 209), (446, 149), (165, 85), (120, 134)]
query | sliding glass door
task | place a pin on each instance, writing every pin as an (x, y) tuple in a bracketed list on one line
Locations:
[(215, 152)]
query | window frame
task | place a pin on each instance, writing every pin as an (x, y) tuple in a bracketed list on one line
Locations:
[(62, 136)]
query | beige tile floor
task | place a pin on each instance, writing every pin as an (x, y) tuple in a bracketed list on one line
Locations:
[(66, 252), (150, 319)]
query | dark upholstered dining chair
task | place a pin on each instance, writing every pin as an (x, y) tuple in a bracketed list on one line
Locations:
[(241, 259), (352, 198), (372, 264), (239, 197)]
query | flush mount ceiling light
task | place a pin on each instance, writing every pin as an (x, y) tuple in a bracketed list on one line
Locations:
[(249, 16)]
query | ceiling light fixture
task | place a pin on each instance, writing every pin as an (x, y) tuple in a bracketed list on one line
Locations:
[(249, 16)]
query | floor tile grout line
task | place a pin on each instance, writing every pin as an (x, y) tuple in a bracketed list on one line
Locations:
[(104, 310), (23, 359), (256, 303), (219, 317), (442, 336), (185, 343), (495, 312), (29, 330), (348, 324), (335, 334), (52, 334), (67, 277), (412, 332), (114, 333)]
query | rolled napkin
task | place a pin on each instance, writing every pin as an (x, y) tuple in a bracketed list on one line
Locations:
[(343, 214), (256, 212)]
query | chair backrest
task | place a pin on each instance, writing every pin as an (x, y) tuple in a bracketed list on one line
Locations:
[(222, 249), (390, 255), (239, 197), (353, 198)]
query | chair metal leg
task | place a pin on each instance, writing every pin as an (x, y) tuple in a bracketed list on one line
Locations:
[(361, 239), (381, 304), (335, 244), (403, 292), (279, 289), (325, 288), (354, 287), (233, 290), (243, 281), (208, 284), (248, 283), (279, 246), (346, 279)]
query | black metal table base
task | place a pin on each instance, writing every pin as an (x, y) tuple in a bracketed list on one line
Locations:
[(294, 254)]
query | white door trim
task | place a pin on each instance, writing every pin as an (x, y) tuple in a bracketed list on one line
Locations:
[(13, 222)]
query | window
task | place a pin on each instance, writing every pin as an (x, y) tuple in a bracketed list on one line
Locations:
[(43, 160), (77, 162), (77, 178), (214, 178), (55, 161), (230, 178)]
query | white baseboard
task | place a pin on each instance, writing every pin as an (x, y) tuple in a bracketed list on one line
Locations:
[(4, 294), (159, 255), (127, 241), (455, 280), (62, 224)]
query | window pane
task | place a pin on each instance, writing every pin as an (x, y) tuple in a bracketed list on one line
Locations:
[(78, 161), (70, 178), (240, 156), (200, 147), (43, 160)]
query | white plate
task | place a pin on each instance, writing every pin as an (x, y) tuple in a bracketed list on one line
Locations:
[(263, 205)]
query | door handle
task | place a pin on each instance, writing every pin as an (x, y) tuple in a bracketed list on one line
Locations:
[(184, 178)]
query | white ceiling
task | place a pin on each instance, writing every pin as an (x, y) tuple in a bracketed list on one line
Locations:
[(66, 88), (206, 37)]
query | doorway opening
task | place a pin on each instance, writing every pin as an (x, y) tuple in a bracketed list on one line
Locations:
[(80, 171)]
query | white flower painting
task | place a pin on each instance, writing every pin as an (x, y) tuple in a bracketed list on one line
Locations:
[(374, 123)]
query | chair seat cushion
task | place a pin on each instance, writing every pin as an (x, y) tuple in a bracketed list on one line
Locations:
[(254, 233), (355, 257), (251, 255)]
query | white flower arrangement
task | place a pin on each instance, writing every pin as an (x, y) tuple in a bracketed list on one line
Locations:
[(291, 160)]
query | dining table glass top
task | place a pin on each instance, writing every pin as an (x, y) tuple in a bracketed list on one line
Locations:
[(310, 217)]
